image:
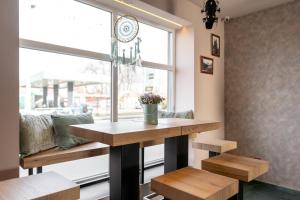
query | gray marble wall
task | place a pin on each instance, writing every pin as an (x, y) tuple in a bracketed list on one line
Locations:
[(262, 89)]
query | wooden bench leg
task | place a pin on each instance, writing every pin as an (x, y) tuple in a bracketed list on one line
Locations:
[(30, 171), (142, 160), (39, 170), (213, 154)]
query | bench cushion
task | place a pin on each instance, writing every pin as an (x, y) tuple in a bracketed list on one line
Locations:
[(234, 166), (194, 184), (57, 155), (184, 115), (61, 123), (43, 186), (164, 114), (36, 134)]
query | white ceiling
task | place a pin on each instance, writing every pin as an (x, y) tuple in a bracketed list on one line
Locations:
[(237, 8)]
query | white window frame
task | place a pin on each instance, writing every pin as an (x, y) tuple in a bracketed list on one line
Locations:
[(170, 67)]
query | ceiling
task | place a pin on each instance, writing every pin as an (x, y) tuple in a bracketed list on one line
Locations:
[(237, 8)]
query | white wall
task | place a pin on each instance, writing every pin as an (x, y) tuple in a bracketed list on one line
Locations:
[(9, 88), (201, 92), (185, 71)]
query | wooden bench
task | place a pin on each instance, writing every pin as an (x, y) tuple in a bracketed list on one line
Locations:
[(242, 168), (56, 155), (194, 184), (50, 186), (215, 146)]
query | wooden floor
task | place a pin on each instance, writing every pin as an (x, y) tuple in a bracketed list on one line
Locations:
[(253, 191)]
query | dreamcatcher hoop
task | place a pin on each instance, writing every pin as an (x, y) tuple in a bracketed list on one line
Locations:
[(126, 28)]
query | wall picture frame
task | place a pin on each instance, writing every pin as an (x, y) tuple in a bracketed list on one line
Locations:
[(207, 65), (215, 45)]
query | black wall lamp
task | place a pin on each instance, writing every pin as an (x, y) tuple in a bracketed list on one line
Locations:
[(210, 8)]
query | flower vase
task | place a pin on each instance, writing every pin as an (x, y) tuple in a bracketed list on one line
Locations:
[(151, 114)]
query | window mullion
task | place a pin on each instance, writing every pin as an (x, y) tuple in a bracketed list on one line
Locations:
[(171, 73), (52, 48), (114, 78)]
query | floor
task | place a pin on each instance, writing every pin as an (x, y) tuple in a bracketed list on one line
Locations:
[(262, 191), (252, 191)]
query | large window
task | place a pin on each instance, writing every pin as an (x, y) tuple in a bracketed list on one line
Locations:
[(62, 84), (65, 68), (155, 44), (66, 23), (134, 82)]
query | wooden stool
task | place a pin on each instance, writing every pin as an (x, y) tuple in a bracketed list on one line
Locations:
[(215, 146), (42, 186), (194, 184), (242, 168)]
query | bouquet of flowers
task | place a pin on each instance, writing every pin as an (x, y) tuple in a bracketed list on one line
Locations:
[(150, 98)]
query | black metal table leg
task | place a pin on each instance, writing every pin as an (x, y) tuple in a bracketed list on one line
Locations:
[(235, 197), (39, 170), (142, 160), (30, 171), (124, 172), (241, 190), (240, 194), (176, 153), (213, 154)]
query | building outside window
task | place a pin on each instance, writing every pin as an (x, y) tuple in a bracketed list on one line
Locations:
[(65, 68)]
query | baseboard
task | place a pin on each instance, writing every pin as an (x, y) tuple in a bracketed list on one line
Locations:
[(9, 173)]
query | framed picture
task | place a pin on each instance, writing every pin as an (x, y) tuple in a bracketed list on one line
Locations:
[(207, 65), (215, 45)]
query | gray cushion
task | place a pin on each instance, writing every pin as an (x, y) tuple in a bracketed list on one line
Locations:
[(64, 137), (164, 114), (185, 115), (36, 134)]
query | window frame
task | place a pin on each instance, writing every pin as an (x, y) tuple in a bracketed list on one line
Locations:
[(170, 67)]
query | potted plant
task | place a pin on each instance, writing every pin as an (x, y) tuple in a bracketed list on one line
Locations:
[(150, 102)]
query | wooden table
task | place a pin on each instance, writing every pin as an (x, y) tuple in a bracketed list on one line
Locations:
[(124, 138)]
